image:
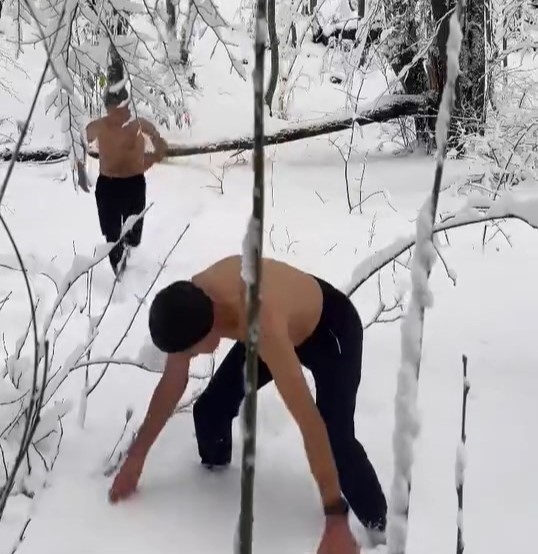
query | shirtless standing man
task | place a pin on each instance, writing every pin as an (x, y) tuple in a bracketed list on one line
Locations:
[(121, 186), (303, 321)]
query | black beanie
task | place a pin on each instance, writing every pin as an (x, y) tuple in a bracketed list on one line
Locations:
[(180, 316)]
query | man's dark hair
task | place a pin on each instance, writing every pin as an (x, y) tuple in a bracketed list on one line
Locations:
[(113, 99), (180, 315)]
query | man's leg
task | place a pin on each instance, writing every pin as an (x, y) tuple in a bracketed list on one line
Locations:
[(134, 202), (109, 212), (219, 404), (337, 381)]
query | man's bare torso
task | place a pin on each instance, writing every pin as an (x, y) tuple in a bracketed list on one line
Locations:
[(121, 148), (291, 293)]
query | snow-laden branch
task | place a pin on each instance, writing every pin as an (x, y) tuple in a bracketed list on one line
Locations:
[(141, 302), (213, 19), (406, 424), (477, 210)]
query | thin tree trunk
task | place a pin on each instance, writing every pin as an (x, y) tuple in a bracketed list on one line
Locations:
[(273, 41), (251, 273)]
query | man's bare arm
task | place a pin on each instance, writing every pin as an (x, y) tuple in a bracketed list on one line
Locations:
[(159, 144), (167, 394), (277, 351)]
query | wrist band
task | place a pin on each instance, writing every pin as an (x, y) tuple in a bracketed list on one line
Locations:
[(340, 507)]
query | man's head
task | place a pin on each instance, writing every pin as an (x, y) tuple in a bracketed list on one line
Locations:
[(181, 319), (116, 102)]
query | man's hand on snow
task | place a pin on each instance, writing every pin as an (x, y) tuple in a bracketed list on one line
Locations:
[(126, 480)]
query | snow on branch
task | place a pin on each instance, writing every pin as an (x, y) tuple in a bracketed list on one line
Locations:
[(213, 19), (77, 36), (251, 274), (30, 429), (477, 210), (406, 424)]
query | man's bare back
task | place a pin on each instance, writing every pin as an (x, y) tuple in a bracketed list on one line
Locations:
[(293, 294)]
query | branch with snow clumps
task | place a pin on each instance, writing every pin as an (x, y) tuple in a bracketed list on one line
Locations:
[(477, 210), (406, 417), (251, 273)]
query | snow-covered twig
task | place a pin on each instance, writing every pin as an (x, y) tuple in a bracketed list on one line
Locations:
[(91, 331), (213, 19), (507, 206), (406, 418), (82, 264), (24, 129), (141, 302), (110, 465), (33, 411), (384, 309), (130, 362), (461, 458), (4, 300)]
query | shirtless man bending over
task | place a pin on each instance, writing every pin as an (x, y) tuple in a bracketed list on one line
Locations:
[(121, 187), (304, 321)]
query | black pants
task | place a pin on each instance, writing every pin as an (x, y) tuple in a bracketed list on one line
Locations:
[(334, 354), (117, 199)]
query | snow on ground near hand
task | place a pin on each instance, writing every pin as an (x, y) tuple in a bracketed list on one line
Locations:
[(489, 315)]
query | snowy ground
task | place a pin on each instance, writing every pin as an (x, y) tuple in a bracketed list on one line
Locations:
[(489, 315)]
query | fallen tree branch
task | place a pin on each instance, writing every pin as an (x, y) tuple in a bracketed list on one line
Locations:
[(387, 108)]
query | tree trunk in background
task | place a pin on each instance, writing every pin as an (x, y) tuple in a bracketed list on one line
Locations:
[(115, 71), (171, 19), (308, 7), (361, 8), (470, 109), (402, 48), (186, 35), (472, 81), (273, 41)]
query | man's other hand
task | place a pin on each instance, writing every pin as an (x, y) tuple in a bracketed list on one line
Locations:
[(149, 159), (337, 537), (82, 177)]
